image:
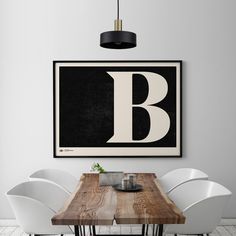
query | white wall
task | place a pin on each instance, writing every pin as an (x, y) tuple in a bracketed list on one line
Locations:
[(33, 33)]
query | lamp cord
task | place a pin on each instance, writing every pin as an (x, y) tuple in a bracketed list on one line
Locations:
[(118, 9)]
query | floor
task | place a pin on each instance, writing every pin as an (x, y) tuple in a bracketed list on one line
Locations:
[(220, 231)]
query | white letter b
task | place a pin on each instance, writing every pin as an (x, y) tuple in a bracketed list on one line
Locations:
[(123, 107)]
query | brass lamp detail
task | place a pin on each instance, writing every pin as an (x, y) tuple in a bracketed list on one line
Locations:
[(118, 39), (118, 25)]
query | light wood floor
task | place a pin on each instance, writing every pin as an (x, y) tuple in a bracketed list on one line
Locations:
[(220, 230)]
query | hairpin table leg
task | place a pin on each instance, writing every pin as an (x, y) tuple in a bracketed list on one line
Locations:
[(160, 231), (76, 230)]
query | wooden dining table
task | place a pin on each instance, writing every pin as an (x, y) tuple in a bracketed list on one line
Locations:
[(93, 205)]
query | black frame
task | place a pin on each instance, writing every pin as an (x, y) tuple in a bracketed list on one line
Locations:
[(114, 61)]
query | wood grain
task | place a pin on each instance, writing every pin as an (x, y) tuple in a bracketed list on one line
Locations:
[(150, 206), (92, 204), (89, 205)]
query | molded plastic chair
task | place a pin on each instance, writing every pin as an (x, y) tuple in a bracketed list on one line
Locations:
[(202, 202), (35, 203), (60, 177), (176, 177)]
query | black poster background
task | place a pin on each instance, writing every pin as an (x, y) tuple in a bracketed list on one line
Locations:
[(86, 106)]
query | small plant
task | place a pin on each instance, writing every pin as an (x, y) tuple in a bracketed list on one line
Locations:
[(97, 167)]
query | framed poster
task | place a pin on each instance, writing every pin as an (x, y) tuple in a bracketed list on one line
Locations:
[(117, 108)]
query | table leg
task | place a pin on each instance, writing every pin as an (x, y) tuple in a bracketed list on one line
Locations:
[(147, 229), (143, 230), (160, 231), (94, 230), (76, 230), (90, 231), (156, 231), (80, 230), (153, 230)]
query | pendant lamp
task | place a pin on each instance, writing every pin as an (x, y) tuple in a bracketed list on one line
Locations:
[(118, 39)]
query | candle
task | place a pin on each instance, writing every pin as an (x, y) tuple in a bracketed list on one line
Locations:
[(132, 180), (125, 183)]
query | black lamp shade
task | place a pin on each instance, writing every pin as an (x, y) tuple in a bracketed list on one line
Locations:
[(118, 39)]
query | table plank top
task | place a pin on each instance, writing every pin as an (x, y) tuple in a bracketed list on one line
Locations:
[(92, 204)]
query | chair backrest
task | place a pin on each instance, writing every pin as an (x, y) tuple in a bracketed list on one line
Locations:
[(202, 202), (60, 177), (176, 177), (33, 206), (50, 194)]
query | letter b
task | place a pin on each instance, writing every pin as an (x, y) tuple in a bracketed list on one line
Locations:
[(123, 106)]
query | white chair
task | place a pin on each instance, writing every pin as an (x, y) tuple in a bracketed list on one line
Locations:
[(176, 177), (202, 203), (60, 177), (35, 203)]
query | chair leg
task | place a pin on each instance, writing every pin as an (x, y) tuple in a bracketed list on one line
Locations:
[(175, 234)]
